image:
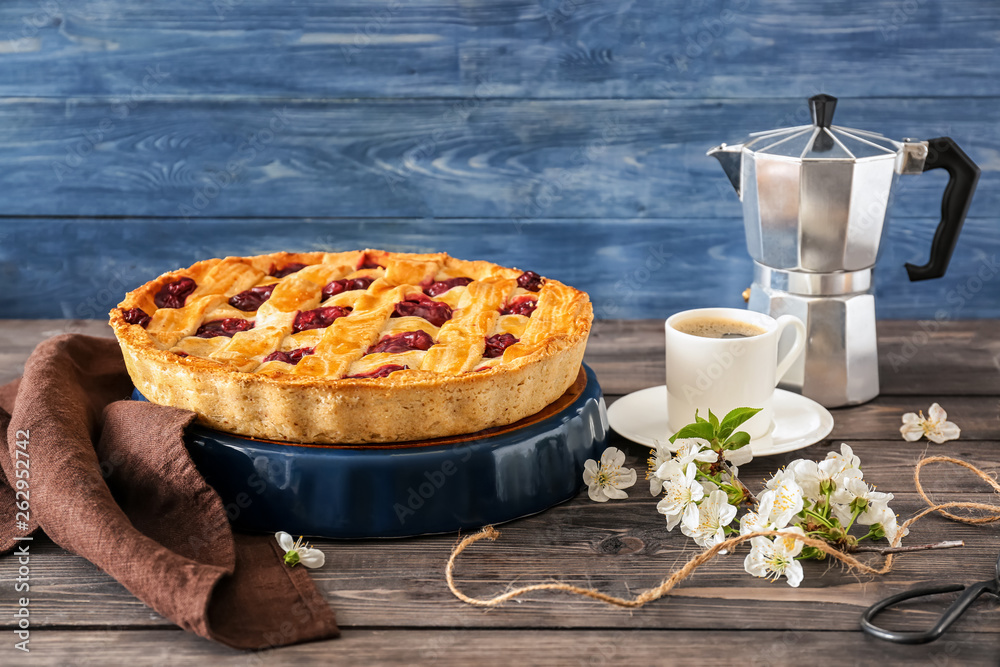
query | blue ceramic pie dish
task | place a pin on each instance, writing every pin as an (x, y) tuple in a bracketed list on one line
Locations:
[(412, 488)]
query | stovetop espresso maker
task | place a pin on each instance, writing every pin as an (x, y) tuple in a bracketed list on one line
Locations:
[(814, 206)]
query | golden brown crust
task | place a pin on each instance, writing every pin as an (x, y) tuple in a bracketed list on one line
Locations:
[(281, 402)]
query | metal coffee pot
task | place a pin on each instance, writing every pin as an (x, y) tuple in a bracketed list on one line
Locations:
[(814, 206)]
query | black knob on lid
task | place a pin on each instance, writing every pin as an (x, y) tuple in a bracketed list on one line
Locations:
[(822, 107)]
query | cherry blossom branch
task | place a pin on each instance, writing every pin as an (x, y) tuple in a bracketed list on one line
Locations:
[(946, 544), (747, 493)]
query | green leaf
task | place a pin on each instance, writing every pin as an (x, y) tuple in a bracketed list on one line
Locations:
[(701, 429), (714, 421), (700, 420), (737, 440), (734, 419), (811, 553)]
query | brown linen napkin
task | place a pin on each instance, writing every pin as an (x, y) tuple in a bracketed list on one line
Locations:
[(111, 480)]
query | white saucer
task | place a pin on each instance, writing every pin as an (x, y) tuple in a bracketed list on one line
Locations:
[(798, 421)]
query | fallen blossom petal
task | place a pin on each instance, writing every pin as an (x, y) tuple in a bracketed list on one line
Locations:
[(605, 480)]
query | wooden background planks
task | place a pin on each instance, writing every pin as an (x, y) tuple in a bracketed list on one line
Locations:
[(391, 600), (564, 136), (563, 49), (631, 268)]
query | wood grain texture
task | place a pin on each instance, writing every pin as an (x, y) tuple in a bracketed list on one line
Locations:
[(637, 268), (431, 158), (545, 648), (390, 596), (19, 337), (368, 584), (522, 48)]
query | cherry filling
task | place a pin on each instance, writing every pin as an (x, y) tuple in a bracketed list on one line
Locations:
[(523, 307), (293, 357), (181, 353), (495, 345), (228, 327), (369, 263), (136, 316), (318, 318), (172, 295), (251, 299), (346, 285), (442, 286), (530, 281), (435, 312), (380, 372), (403, 342), (287, 271)]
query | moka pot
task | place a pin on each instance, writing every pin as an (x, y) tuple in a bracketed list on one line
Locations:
[(815, 199)]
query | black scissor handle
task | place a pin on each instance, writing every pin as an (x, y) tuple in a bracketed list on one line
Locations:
[(949, 616)]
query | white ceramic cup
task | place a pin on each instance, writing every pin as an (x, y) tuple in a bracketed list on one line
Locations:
[(725, 373)]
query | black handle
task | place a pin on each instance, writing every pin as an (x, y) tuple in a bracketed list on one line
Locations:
[(963, 174), (949, 616)]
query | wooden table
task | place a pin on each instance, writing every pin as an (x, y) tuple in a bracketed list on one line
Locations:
[(393, 605)]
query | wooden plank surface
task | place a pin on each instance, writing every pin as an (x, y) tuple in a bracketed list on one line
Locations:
[(508, 647), (621, 550), (392, 602), (637, 268), (431, 158), (524, 48)]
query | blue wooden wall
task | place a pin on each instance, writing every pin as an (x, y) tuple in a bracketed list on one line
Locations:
[(563, 136)]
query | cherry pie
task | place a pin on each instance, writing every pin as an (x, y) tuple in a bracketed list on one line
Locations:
[(353, 347)]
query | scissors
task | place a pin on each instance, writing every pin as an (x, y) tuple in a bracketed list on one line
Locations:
[(950, 615)]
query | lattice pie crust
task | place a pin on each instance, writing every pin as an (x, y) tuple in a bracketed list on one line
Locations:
[(353, 347)]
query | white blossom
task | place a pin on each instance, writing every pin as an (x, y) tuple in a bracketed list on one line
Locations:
[(739, 457), (714, 514), (681, 494), (845, 461), (694, 449), (708, 486), (607, 480), (773, 558), (297, 551), (855, 495), (815, 477), (788, 500), (661, 454), (776, 508), (879, 514), (935, 426), (759, 519), (783, 474)]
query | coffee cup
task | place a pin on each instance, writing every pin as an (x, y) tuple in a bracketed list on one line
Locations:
[(724, 358)]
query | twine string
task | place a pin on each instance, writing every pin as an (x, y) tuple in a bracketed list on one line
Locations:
[(991, 513)]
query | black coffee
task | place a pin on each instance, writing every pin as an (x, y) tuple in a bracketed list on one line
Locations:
[(718, 327)]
